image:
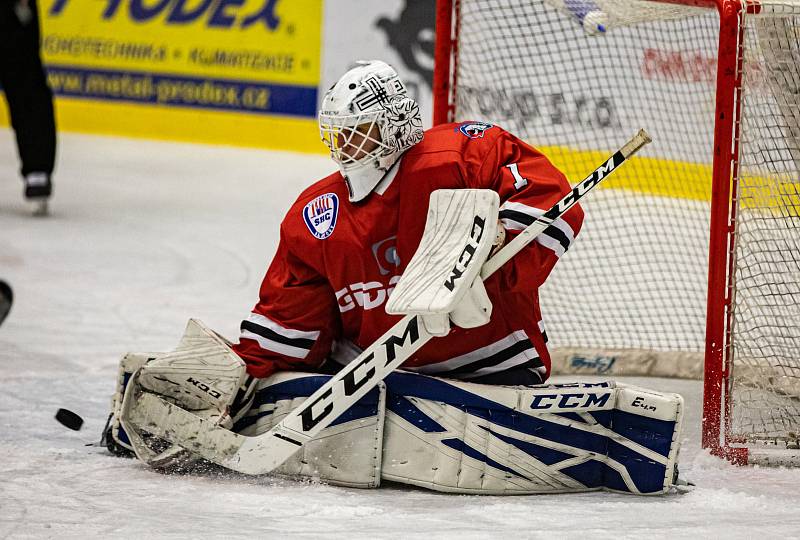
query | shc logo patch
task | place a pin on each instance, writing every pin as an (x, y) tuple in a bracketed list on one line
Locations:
[(320, 215), (474, 130)]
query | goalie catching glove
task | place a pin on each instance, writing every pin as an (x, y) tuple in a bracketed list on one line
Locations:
[(202, 375), (442, 283)]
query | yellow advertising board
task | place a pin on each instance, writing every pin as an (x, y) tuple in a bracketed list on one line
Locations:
[(239, 72)]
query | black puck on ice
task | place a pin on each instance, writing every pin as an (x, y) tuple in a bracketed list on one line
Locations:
[(69, 419)]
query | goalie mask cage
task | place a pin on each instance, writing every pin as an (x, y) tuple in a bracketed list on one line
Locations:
[(689, 261)]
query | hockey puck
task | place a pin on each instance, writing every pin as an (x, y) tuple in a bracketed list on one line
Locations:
[(69, 419)]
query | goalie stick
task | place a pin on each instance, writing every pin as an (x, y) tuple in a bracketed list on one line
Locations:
[(263, 453)]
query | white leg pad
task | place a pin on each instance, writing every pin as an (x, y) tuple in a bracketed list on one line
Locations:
[(460, 437), (468, 438)]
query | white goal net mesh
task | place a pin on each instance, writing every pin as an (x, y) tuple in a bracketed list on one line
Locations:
[(765, 388), (635, 283)]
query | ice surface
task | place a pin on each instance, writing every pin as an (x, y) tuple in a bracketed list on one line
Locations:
[(145, 235)]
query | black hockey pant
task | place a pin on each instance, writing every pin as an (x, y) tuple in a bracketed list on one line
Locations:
[(30, 100)]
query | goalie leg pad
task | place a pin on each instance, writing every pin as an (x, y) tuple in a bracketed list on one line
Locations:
[(346, 453), (460, 437), (469, 438)]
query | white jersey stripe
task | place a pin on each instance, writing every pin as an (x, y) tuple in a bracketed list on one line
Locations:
[(534, 212), (544, 239), (551, 244), (274, 346), (260, 320), (517, 360), (477, 355), (474, 356)]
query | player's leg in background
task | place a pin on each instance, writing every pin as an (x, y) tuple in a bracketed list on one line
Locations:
[(30, 99)]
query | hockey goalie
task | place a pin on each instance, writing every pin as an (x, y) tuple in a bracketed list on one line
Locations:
[(404, 258)]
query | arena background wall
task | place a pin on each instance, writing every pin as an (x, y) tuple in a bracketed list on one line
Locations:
[(252, 73), (234, 72)]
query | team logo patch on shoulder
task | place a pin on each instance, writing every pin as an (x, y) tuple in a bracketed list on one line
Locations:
[(474, 130), (320, 215)]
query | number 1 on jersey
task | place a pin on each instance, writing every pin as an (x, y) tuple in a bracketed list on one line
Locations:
[(519, 181)]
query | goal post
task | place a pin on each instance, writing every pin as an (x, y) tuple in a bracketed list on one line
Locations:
[(694, 252)]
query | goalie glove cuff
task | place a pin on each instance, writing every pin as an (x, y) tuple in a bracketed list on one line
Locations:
[(475, 309)]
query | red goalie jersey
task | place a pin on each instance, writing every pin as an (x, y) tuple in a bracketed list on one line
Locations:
[(337, 261)]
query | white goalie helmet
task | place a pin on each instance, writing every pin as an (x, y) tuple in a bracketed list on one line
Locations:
[(367, 120)]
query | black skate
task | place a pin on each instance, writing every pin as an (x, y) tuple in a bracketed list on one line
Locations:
[(38, 189)]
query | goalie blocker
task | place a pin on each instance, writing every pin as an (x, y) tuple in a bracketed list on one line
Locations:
[(444, 435)]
